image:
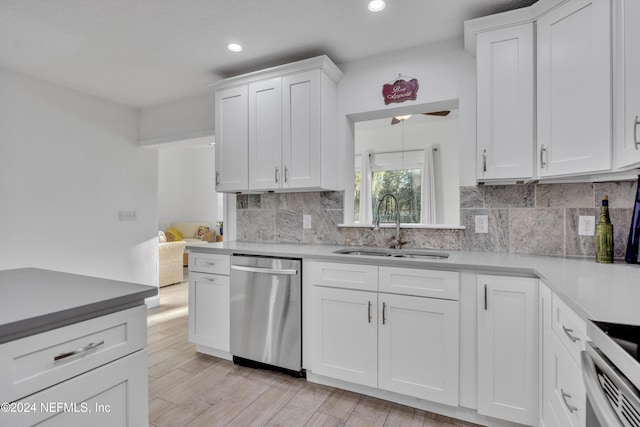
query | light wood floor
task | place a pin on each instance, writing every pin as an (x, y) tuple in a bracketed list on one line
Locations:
[(187, 388)]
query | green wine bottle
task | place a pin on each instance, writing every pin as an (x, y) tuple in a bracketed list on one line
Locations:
[(604, 234)]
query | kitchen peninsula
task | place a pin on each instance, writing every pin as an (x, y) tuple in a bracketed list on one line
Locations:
[(74, 340)]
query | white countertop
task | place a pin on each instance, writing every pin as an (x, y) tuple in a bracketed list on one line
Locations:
[(606, 292)]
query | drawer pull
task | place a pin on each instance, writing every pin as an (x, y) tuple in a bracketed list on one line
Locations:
[(571, 408), (209, 279), (208, 263), (86, 348), (384, 318), (568, 332)]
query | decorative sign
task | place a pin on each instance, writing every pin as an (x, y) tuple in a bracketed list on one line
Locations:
[(400, 91)]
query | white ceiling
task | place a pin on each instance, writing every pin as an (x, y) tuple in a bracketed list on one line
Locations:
[(147, 52)]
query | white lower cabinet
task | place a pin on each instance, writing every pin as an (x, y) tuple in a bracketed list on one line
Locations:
[(399, 343), (209, 302), (92, 372), (508, 348), (418, 347), (563, 337), (111, 395), (344, 329)]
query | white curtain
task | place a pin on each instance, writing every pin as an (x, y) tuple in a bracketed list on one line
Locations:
[(429, 204)]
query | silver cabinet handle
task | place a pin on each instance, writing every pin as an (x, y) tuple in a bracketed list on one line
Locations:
[(566, 396), (217, 178), (384, 318), (635, 133), (277, 175), (485, 297), (208, 263), (369, 312), (208, 279), (543, 155), (84, 349), (484, 161), (286, 175), (568, 332)]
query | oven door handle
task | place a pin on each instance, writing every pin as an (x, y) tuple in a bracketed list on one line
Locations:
[(599, 402)]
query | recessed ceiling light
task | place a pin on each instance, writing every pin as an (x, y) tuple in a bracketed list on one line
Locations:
[(234, 47), (376, 5)]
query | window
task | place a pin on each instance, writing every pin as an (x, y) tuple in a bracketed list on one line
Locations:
[(399, 173)]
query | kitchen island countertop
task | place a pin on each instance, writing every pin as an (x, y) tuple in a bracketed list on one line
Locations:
[(35, 300), (606, 292)]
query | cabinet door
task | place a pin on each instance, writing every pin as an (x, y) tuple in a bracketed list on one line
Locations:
[(265, 135), (628, 143), (114, 394), (574, 88), (209, 310), (505, 73), (507, 348), (418, 347), (232, 139), (301, 130), (345, 335)]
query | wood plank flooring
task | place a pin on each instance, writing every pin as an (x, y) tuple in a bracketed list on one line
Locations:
[(187, 388)]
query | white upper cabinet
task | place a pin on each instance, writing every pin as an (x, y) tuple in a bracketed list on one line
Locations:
[(574, 88), (289, 120), (232, 133), (303, 142), (265, 134), (627, 134), (505, 104)]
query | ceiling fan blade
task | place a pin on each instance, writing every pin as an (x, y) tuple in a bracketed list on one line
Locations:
[(438, 113), (395, 121)]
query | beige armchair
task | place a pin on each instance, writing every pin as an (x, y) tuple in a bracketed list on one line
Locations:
[(170, 262)]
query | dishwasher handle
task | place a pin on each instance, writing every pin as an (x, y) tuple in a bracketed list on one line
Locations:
[(264, 270)]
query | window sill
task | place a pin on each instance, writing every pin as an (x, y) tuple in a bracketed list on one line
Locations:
[(405, 226)]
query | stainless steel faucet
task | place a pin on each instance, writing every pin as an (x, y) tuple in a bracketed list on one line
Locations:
[(376, 222)]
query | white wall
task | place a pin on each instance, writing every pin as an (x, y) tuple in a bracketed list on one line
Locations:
[(186, 186), (70, 162), (179, 120), (445, 72)]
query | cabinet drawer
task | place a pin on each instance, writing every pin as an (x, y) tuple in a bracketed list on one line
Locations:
[(425, 283), (338, 275), (112, 395), (568, 396), (39, 361), (570, 329), (209, 263)]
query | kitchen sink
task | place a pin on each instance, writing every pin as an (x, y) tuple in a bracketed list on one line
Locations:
[(394, 253)]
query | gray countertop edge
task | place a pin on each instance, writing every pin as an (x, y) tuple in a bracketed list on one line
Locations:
[(565, 276), (49, 316)]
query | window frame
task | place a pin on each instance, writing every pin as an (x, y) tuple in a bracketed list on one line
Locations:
[(388, 161)]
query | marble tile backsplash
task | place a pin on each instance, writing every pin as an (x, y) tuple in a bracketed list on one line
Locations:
[(542, 219), (539, 219), (278, 217)]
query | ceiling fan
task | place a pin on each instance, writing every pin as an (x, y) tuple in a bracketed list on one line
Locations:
[(398, 119)]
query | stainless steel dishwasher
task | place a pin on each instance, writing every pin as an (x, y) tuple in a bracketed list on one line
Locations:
[(266, 312)]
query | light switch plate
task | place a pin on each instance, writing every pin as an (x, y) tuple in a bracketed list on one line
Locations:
[(482, 224), (127, 216)]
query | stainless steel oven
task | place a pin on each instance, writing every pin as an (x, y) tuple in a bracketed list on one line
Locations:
[(611, 373)]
